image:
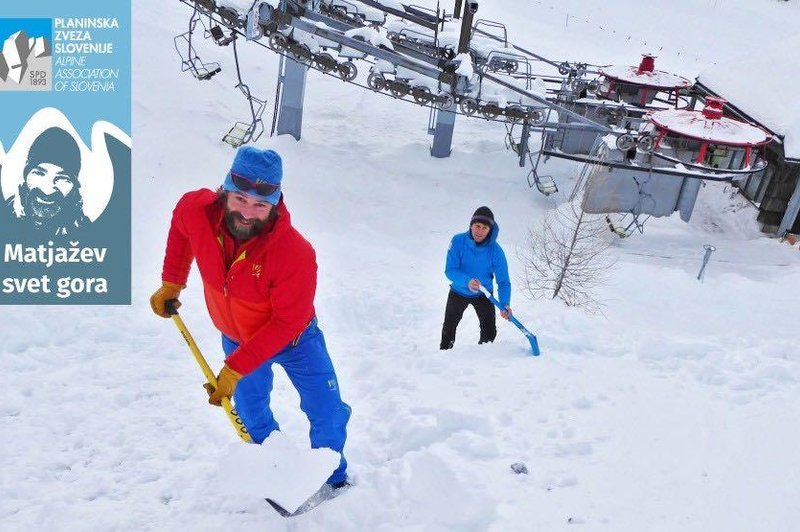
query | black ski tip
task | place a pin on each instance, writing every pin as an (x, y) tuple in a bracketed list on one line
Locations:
[(278, 508), (325, 493)]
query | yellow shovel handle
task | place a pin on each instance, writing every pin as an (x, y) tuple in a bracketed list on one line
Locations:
[(234, 418)]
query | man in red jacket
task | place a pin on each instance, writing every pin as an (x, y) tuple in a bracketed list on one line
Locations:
[(259, 278)]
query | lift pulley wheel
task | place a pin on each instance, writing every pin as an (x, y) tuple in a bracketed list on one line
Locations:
[(625, 142), (445, 101), (376, 81), (278, 42), (469, 106), (645, 143), (348, 71)]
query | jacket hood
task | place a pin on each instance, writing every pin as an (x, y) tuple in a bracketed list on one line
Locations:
[(493, 233)]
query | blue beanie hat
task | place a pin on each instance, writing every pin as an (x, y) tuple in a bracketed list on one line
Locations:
[(256, 166)]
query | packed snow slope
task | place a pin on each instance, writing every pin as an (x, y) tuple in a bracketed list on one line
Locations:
[(675, 409)]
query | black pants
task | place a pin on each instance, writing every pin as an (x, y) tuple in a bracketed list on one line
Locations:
[(456, 305)]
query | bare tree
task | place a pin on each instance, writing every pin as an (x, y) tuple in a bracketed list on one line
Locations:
[(567, 257)]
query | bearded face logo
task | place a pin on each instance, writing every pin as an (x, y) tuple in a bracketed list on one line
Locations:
[(48, 191), (50, 194)]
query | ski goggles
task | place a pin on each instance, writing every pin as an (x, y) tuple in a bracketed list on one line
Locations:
[(245, 185)]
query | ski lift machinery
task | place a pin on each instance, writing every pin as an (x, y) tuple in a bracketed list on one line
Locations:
[(659, 168), (617, 120), (660, 149)]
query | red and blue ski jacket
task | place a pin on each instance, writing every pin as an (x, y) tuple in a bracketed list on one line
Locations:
[(265, 299)]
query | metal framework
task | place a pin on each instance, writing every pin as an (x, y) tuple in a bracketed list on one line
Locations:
[(482, 75)]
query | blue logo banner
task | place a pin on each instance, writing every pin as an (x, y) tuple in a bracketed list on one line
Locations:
[(65, 153)]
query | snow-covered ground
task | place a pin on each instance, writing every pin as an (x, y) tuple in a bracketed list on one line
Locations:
[(676, 409)]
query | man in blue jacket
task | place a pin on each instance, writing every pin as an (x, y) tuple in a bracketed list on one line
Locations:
[(474, 259)]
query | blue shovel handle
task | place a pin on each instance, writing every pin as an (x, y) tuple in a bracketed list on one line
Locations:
[(515, 321)]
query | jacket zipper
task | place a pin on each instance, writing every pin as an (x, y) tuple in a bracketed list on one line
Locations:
[(229, 277), (225, 293)]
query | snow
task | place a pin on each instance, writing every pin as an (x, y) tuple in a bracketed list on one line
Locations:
[(370, 13), (309, 39), (484, 46), (791, 142), (676, 409), (411, 31), (695, 125), (319, 24), (656, 78), (773, 99), (393, 4), (371, 36), (464, 65), (383, 66), (449, 37), (242, 6), (503, 96), (277, 470), (398, 25)]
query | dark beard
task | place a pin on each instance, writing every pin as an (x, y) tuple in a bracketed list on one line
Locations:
[(44, 209), (243, 233)]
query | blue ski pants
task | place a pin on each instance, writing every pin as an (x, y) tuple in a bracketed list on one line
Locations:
[(309, 367)]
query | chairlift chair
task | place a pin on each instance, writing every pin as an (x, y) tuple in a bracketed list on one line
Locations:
[(624, 228), (243, 132), (544, 184), (237, 134), (191, 62), (219, 36)]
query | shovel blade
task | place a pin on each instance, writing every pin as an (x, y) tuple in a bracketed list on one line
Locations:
[(534, 344), (277, 470)]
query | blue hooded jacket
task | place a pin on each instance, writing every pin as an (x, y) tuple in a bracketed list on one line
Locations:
[(486, 261)]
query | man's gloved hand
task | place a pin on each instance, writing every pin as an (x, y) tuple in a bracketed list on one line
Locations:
[(226, 384), (162, 295)]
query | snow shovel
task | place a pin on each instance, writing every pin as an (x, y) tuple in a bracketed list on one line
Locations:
[(294, 474), (515, 321), (241, 430)]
